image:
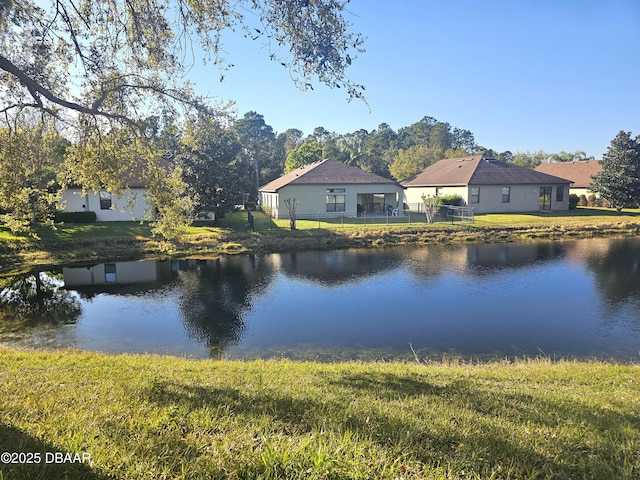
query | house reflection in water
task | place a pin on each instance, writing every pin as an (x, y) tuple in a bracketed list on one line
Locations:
[(127, 273)]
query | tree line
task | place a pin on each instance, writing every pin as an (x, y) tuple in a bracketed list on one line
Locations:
[(207, 163)]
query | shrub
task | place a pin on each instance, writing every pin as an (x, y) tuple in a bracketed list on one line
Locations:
[(591, 200), (75, 217), (583, 200), (573, 201), (455, 200)]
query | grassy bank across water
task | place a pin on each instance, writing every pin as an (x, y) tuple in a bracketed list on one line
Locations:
[(161, 417), (76, 244)]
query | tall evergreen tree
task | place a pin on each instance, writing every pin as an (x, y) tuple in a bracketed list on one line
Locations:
[(619, 180)]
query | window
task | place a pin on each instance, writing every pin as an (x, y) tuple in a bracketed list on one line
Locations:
[(475, 194), (110, 272), (336, 203), (438, 191), (506, 194), (105, 200), (560, 194)]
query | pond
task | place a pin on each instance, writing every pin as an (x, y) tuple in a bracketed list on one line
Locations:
[(571, 299)]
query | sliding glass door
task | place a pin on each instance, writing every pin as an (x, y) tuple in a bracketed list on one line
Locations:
[(545, 198)]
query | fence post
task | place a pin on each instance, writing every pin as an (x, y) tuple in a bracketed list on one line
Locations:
[(250, 219)]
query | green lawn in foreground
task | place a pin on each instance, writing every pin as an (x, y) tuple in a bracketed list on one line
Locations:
[(165, 418)]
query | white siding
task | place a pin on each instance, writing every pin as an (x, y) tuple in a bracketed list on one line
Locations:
[(130, 206)]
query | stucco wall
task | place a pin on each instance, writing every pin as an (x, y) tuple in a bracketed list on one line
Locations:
[(130, 206), (523, 198), (311, 199), (413, 195)]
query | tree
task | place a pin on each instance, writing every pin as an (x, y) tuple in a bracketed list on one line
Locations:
[(308, 152), (119, 60), (207, 156), (619, 179), (378, 150), (417, 133), (30, 158), (258, 148), (292, 205), (413, 160), (104, 66), (530, 159), (563, 156), (290, 139)]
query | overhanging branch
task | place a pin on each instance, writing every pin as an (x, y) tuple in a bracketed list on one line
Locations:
[(37, 90)]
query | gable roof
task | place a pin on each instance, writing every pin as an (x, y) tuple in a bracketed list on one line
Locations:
[(323, 173), (579, 172), (478, 170)]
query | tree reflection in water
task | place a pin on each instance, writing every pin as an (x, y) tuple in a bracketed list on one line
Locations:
[(502, 299), (213, 297), (617, 271), (37, 298)]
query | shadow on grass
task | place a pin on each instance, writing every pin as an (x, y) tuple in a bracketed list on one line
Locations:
[(30, 457), (457, 424), (584, 212)]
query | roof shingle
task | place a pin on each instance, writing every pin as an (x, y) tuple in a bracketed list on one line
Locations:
[(579, 172), (478, 170), (325, 172)]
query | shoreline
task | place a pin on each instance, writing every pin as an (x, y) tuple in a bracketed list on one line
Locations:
[(43, 254)]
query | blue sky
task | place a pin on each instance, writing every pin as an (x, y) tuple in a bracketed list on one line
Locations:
[(521, 75)]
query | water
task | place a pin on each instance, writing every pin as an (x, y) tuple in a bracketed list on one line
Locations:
[(575, 299)]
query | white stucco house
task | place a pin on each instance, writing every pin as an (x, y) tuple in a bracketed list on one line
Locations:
[(489, 186), (329, 188), (129, 205)]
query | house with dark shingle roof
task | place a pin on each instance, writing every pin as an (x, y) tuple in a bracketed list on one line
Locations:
[(579, 172), (329, 187), (489, 185)]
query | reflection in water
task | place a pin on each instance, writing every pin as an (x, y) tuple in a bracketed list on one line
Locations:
[(213, 297), (617, 270), (35, 310), (502, 300), (37, 298)]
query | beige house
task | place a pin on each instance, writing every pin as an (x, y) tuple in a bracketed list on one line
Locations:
[(579, 172), (489, 186), (330, 188)]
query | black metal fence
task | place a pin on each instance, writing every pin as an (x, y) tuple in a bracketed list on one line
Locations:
[(259, 221)]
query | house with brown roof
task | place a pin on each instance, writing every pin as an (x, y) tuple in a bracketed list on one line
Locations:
[(329, 188), (579, 172), (489, 185)]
